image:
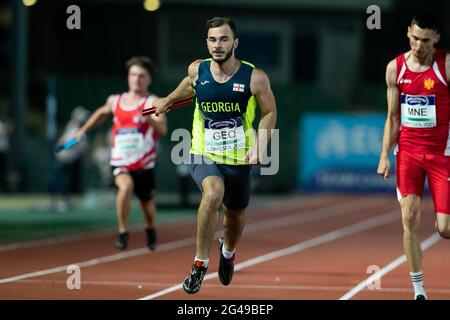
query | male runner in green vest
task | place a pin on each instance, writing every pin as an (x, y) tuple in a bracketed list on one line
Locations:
[(227, 91)]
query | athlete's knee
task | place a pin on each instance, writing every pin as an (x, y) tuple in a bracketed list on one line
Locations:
[(213, 190), (445, 234), (147, 204), (410, 222), (442, 224), (410, 213), (234, 215), (444, 231), (125, 189), (213, 194), (211, 199), (410, 219)]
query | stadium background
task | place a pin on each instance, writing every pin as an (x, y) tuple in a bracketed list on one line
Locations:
[(320, 56)]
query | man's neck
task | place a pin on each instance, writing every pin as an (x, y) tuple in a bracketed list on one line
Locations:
[(228, 68), (425, 61), (134, 95)]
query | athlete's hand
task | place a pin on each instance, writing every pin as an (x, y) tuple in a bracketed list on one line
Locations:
[(161, 105), (252, 155), (79, 135), (384, 167)]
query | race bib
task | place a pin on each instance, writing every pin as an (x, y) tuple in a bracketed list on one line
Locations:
[(129, 140), (418, 111), (224, 135)]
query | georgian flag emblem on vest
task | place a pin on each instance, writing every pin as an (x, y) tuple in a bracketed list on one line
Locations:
[(238, 87)]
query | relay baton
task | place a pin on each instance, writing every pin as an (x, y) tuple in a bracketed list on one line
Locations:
[(175, 105), (69, 144)]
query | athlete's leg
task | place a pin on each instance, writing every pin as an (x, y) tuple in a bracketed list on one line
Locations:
[(411, 242), (125, 185), (443, 225), (208, 215), (144, 186), (410, 173), (211, 182), (149, 210), (410, 206), (148, 207), (438, 170), (235, 201), (233, 226)]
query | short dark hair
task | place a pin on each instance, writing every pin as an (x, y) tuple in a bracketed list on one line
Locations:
[(143, 62), (220, 21), (426, 21)]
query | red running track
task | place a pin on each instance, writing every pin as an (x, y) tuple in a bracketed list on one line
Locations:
[(305, 247)]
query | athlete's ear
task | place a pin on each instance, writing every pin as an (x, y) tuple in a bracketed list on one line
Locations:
[(408, 32), (437, 38), (236, 43), (150, 79)]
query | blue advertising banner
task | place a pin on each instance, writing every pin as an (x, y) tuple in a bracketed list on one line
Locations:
[(340, 152)]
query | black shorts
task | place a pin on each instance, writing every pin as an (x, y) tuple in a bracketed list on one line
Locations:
[(236, 179), (143, 180)]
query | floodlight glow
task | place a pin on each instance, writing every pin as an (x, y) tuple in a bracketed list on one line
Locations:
[(151, 5), (29, 3)]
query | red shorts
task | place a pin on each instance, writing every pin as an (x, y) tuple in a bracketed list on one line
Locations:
[(411, 170)]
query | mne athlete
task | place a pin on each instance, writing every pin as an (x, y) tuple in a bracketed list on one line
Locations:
[(227, 91), (418, 122)]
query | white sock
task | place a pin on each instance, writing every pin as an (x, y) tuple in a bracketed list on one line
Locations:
[(417, 281), (227, 254), (205, 261)]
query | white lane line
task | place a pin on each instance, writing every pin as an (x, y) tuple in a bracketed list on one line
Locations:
[(86, 235), (286, 205), (311, 215), (328, 237), (434, 238), (88, 263)]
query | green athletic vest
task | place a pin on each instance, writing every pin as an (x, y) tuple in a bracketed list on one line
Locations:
[(222, 127)]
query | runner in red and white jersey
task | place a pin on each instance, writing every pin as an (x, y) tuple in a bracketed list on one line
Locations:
[(134, 146), (134, 138), (418, 124), (424, 106)]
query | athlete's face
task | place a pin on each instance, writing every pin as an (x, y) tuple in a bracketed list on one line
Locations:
[(138, 79), (422, 41), (221, 43)]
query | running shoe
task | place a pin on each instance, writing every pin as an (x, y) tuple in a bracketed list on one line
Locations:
[(226, 266), (151, 238), (122, 241), (194, 280)]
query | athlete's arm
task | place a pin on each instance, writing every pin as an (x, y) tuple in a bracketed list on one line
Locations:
[(96, 118), (392, 125), (260, 88), (159, 123), (447, 67), (184, 90)]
